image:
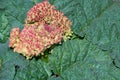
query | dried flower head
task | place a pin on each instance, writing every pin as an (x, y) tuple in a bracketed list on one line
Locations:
[(44, 26)]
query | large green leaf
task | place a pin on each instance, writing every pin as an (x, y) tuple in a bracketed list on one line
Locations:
[(81, 12), (36, 70), (81, 60), (11, 62), (90, 71), (105, 31), (114, 49), (106, 28), (12, 14), (17, 11)]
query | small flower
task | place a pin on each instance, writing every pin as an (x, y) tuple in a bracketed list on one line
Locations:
[(44, 27), (14, 37)]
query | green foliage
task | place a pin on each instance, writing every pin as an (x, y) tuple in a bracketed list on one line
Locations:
[(36, 70), (11, 62), (94, 53), (4, 29), (105, 31), (82, 61), (12, 14)]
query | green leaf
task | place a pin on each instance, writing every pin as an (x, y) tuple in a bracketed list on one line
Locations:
[(36, 70), (105, 31), (3, 48), (4, 29), (90, 71), (36, 1), (16, 11), (7, 73), (81, 60), (55, 78), (81, 12), (114, 49), (13, 14), (106, 28), (10, 63)]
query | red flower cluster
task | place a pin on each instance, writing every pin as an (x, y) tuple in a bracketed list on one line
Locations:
[(44, 26)]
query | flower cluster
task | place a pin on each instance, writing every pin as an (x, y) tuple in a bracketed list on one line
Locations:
[(44, 26)]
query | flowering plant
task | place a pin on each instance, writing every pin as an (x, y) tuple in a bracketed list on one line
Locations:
[(44, 27), (83, 37)]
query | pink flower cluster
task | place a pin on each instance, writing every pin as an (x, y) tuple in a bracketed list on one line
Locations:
[(44, 26)]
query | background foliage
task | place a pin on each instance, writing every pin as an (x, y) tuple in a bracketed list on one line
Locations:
[(92, 54)]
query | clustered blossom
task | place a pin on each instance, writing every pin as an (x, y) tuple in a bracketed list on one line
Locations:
[(44, 26)]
